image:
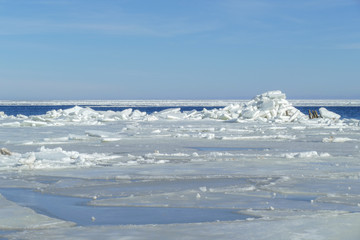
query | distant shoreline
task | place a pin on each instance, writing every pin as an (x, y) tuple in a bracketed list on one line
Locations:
[(171, 103)]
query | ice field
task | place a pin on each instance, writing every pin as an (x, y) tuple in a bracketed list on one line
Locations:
[(254, 170)]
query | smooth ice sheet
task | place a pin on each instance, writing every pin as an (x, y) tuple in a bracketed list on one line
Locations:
[(15, 217)]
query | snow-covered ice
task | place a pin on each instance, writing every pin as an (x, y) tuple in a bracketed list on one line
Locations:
[(266, 168)]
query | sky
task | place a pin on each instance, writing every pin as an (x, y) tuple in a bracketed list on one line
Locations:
[(178, 49)]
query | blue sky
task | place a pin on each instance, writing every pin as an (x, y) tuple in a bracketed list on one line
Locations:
[(178, 49)]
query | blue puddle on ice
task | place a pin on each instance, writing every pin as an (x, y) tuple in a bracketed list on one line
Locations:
[(75, 210), (221, 149)]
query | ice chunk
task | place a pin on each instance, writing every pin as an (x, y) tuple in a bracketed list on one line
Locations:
[(3, 115), (96, 133), (10, 124), (4, 151), (271, 106), (171, 114), (337, 139), (266, 105), (274, 94), (328, 114), (310, 154), (250, 114)]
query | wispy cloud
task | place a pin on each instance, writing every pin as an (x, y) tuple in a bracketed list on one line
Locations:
[(41, 16), (10, 26)]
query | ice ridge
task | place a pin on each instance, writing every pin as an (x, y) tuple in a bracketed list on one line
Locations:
[(270, 106)]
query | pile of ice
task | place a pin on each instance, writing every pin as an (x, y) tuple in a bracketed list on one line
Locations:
[(53, 158), (74, 116), (270, 106), (79, 114)]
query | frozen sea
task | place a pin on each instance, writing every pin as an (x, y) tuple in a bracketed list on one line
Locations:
[(258, 169)]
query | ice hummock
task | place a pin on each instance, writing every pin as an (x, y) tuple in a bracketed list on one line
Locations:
[(328, 114), (269, 106), (52, 158)]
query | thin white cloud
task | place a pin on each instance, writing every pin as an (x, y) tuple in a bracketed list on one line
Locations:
[(88, 19), (11, 26)]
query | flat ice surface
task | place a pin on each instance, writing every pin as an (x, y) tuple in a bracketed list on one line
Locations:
[(259, 170)]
